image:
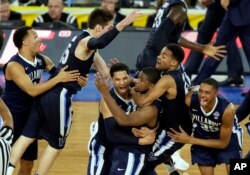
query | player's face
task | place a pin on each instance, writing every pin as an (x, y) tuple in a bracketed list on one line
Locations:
[(33, 41), (121, 81), (55, 8), (207, 95), (4, 11), (141, 83), (165, 60)]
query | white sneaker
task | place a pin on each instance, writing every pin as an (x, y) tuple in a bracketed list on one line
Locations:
[(179, 162)]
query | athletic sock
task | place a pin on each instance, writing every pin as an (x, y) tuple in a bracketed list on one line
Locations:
[(10, 169)]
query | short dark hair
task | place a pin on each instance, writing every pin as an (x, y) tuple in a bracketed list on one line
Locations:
[(177, 51), (212, 82), (153, 74), (19, 36), (118, 67), (99, 16)]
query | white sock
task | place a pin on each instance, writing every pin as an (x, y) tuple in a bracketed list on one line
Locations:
[(179, 162), (10, 170)]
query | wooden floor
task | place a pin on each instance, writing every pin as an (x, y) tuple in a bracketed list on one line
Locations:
[(73, 159)]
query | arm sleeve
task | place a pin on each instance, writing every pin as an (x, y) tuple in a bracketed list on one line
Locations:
[(104, 40), (115, 135), (243, 110), (52, 70)]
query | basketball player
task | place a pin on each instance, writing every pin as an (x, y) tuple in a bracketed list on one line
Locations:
[(22, 76), (109, 134), (133, 156), (167, 28), (55, 105), (171, 89), (217, 136)]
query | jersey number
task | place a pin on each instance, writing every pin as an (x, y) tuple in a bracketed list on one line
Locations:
[(65, 54)]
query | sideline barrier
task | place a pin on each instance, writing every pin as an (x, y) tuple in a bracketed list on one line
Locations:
[(29, 13)]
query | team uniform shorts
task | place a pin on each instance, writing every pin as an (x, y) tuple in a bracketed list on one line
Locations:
[(51, 117), (99, 158), (211, 156), (126, 162), (162, 150)]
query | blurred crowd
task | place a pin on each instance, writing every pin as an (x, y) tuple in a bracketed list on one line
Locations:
[(56, 17)]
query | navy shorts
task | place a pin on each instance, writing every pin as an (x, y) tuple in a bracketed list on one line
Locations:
[(99, 158), (125, 162), (51, 117), (162, 150), (211, 156)]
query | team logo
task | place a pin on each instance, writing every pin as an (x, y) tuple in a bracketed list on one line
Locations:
[(194, 125), (194, 110), (61, 141), (39, 62), (152, 157), (216, 115)]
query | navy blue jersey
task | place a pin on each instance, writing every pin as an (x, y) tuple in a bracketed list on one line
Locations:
[(68, 58), (156, 45), (163, 32), (125, 105), (100, 145), (15, 98), (175, 111), (207, 125)]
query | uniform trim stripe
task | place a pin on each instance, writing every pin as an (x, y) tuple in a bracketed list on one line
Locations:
[(130, 165), (62, 111), (97, 159), (141, 164)]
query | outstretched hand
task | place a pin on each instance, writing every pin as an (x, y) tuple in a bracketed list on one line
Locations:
[(180, 137), (217, 52), (113, 61), (102, 84), (129, 19)]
